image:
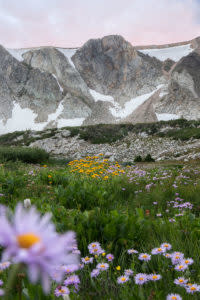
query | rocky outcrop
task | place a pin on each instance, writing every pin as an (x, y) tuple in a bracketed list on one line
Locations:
[(51, 60), (183, 97), (112, 66), (27, 86), (105, 81), (125, 150)]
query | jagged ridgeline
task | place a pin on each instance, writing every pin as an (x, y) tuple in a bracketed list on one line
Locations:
[(105, 81)]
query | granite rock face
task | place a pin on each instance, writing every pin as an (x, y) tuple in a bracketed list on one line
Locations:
[(105, 81), (183, 96), (112, 66), (26, 86)]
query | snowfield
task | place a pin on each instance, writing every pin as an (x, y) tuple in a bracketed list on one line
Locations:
[(24, 119), (167, 117), (174, 53), (17, 53), (100, 97), (68, 54), (131, 105)]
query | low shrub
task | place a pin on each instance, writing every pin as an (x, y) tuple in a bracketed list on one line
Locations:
[(138, 158), (27, 155), (148, 158)]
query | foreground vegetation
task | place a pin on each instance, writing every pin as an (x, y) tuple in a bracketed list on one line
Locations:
[(131, 212)]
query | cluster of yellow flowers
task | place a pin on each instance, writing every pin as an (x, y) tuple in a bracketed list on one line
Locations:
[(96, 167)]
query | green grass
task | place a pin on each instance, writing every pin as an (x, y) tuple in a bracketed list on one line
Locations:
[(182, 134), (27, 155), (119, 216)]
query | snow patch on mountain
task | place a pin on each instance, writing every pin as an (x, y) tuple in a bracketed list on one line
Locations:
[(24, 119), (17, 53), (131, 105), (61, 89), (174, 53), (167, 117), (68, 54), (100, 97), (70, 122)]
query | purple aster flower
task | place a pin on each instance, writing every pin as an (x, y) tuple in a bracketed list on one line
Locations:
[(187, 261), (110, 257), (4, 265), (193, 288), (173, 297), (95, 273), (72, 280), (172, 220), (1, 292), (154, 277), (87, 260), (32, 240), (158, 251), (122, 279), (95, 248), (94, 245), (181, 267), (176, 257), (132, 251), (141, 278), (167, 255), (67, 269), (128, 272), (1, 282), (103, 266), (61, 290), (166, 246), (144, 256), (180, 281)]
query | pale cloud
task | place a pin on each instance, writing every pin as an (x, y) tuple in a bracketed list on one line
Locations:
[(68, 23)]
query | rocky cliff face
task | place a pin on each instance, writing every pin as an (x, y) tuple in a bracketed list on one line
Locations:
[(105, 81), (183, 97)]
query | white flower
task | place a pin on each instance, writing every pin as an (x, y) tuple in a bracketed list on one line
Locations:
[(27, 203)]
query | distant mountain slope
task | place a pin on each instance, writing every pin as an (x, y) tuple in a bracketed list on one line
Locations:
[(105, 81)]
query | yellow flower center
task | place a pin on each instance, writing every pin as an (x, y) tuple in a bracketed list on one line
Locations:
[(62, 291), (141, 278), (144, 256), (123, 278), (159, 249), (27, 240), (154, 276), (102, 266), (177, 257), (174, 297), (193, 288), (187, 261), (181, 267), (166, 245), (87, 258), (181, 280)]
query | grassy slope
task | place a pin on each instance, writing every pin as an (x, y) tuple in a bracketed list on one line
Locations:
[(117, 215)]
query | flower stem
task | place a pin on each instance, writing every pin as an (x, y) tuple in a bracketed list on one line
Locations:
[(11, 280)]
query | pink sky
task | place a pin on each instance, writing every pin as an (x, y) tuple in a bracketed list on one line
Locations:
[(70, 23)]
